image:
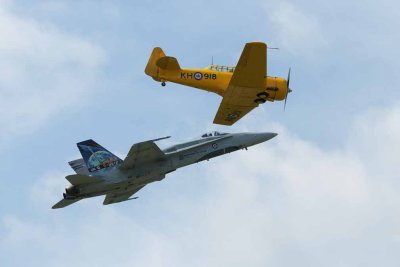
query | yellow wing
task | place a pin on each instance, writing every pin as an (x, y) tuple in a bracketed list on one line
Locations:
[(247, 81)]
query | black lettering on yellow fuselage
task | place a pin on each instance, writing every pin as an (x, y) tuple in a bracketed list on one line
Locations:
[(198, 76)]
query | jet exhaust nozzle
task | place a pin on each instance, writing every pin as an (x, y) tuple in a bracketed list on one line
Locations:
[(72, 190), (66, 196)]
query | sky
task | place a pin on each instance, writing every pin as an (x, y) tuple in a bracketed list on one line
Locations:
[(324, 192)]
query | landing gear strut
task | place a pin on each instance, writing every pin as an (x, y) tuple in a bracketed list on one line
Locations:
[(259, 101), (262, 95)]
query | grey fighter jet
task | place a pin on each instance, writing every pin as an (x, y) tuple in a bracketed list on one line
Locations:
[(99, 172)]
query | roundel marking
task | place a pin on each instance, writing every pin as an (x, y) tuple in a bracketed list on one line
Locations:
[(198, 76), (214, 145)]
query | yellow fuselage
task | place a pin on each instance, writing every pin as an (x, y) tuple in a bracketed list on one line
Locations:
[(218, 81)]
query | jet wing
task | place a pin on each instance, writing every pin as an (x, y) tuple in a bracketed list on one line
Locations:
[(64, 202), (78, 179), (119, 196), (247, 81), (143, 152)]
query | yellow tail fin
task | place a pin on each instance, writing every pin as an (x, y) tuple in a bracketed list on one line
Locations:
[(151, 68), (158, 61)]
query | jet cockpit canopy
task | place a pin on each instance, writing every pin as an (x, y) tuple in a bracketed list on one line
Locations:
[(211, 134)]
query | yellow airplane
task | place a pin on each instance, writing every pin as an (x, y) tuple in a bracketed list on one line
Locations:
[(243, 87)]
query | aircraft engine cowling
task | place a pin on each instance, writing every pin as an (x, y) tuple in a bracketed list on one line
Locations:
[(276, 88)]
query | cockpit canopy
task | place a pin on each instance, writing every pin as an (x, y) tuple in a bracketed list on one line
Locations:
[(221, 68), (211, 134)]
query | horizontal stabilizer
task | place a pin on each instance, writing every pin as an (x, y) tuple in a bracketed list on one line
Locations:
[(77, 179), (168, 63), (79, 166), (64, 202)]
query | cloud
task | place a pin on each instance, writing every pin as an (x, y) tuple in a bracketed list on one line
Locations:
[(295, 30), (43, 72), (375, 138), (48, 188), (281, 203)]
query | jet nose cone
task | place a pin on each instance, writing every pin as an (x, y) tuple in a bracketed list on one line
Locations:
[(262, 137), (266, 136)]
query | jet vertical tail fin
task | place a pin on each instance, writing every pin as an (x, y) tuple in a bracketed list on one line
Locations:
[(97, 157)]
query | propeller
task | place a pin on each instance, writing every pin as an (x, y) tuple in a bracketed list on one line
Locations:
[(288, 89)]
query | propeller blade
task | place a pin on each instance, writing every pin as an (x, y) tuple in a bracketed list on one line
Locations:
[(284, 106), (288, 89)]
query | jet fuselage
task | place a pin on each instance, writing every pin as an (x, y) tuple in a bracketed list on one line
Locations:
[(177, 156)]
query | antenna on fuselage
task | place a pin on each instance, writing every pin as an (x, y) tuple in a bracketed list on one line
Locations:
[(275, 48)]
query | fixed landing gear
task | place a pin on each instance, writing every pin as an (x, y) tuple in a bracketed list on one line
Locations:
[(163, 84), (259, 101), (262, 95)]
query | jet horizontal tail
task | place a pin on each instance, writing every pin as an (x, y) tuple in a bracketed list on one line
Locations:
[(64, 202), (77, 179)]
